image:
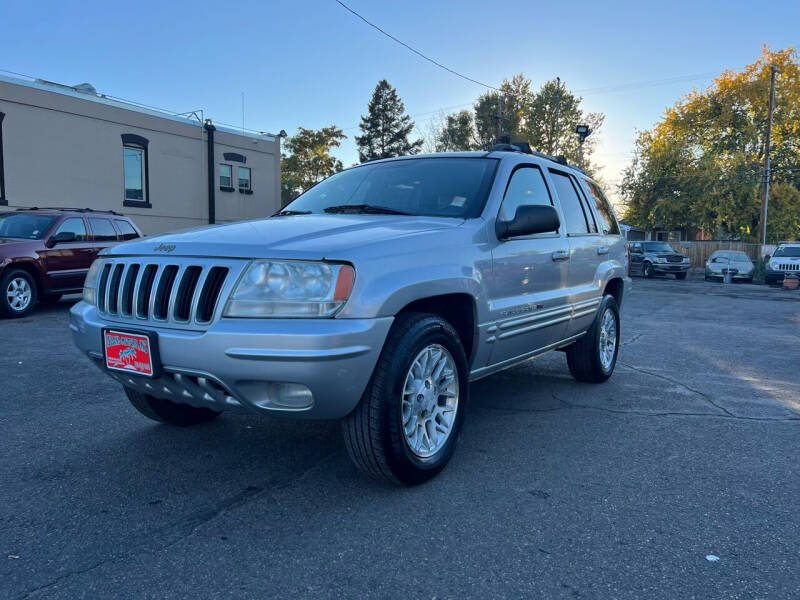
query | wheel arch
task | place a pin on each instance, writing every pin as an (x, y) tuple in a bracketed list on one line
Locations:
[(616, 288), (459, 309)]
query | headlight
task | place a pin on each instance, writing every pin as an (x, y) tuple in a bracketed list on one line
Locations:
[(90, 283), (685, 259), (660, 259), (272, 288)]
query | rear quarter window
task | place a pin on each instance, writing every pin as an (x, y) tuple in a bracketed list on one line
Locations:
[(608, 224)]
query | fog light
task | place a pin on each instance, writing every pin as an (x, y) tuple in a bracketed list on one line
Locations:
[(278, 395)]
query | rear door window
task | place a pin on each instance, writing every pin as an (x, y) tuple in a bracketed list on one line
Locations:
[(577, 217), (126, 230), (605, 214), (103, 230)]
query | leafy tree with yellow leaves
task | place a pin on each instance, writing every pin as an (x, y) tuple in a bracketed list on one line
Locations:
[(701, 165)]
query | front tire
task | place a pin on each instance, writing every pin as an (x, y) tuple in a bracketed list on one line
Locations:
[(404, 429), (593, 357), (17, 293), (647, 271), (171, 413)]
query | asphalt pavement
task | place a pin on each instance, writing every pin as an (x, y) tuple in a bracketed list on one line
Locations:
[(629, 489)]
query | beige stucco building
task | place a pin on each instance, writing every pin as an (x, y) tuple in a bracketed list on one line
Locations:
[(71, 147)]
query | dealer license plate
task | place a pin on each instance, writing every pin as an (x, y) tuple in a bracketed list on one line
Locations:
[(129, 352)]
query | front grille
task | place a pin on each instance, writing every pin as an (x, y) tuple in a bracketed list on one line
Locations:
[(674, 259), (789, 267), (171, 292)]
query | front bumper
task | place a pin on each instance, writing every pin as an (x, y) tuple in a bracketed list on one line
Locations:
[(235, 364), (671, 267), (737, 275)]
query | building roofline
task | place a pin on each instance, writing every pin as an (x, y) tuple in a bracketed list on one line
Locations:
[(73, 92)]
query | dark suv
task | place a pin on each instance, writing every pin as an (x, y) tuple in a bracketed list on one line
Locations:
[(657, 258), (46, 252)]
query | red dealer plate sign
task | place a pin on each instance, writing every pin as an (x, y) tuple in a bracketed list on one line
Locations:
[(128, 352)]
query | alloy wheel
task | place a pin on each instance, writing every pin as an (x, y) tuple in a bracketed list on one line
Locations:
[(430, 400), (19, 294), (608, 339)]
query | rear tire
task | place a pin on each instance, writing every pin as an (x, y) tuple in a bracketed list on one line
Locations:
[(17, 294), (404, 405), (680, 275), (166, 411), (593, 357)]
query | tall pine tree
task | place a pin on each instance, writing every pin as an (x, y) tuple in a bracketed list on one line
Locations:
[(386, 127)]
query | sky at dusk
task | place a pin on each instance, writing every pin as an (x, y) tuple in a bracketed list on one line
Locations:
[(311, 63)]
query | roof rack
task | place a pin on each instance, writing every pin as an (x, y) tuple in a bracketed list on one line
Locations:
[(525, 148), (71, 209)]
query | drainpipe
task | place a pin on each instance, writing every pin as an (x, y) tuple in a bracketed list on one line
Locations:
[(212, 209)]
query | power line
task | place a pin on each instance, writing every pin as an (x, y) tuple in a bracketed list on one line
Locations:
[(414, 50)]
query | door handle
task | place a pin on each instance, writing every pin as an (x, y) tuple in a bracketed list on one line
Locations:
[(602, 250), (560, 255)]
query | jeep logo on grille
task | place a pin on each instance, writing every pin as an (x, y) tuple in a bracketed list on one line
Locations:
[(164, 248)]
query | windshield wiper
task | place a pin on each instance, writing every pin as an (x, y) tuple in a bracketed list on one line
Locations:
[(289, 213), (365, 209)]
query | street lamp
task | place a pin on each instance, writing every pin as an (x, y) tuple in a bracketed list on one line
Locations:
[(583, 132)]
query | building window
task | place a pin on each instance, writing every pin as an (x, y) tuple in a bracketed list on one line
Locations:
[(3, 199), (226, 178), (135, 167), (244, 180)]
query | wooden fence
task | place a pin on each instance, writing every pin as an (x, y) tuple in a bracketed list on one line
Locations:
[(699, 252)]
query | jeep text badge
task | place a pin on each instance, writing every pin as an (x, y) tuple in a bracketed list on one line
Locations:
[(162, 247)]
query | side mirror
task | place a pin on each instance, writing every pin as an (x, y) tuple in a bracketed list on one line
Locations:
[(529, 219), (62, 237)]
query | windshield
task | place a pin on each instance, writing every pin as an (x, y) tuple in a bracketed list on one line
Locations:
[(24, 226), (435, 187), (658, 247), (731, 255), (793, 251)]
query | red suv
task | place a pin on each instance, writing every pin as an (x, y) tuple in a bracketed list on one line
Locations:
[(46, 252)]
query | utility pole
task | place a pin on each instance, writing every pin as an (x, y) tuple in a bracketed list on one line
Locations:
[(558, 106), (767, 176)]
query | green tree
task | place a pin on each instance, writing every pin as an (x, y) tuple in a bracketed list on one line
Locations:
[(386, 128), (457, 133), (701, 165), (539, 127), (502, 113), (309, 160)]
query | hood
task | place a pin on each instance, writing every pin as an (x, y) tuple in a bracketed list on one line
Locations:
[(300, 236), (17, 246)]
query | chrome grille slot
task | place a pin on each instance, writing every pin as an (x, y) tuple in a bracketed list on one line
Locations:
[(145, 290), (126, 294), (112, 292), (210, 293), (163, 292), (186, 290), (101, 287), (174, 291)]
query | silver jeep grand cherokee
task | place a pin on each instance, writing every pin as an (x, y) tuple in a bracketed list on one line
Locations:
[(375, 298)]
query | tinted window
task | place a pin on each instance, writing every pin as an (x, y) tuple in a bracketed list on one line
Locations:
[(126, 230), (438, 187), (26, 226), (658, 247), (570, 204), (605, 214), (225, 176), (244, 178), (133, 162), (103, 230), (73, 225), (787, 251), (636, 248), (527, 186)]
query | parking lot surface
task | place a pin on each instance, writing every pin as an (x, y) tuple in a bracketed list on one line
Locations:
[(627, 489)]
